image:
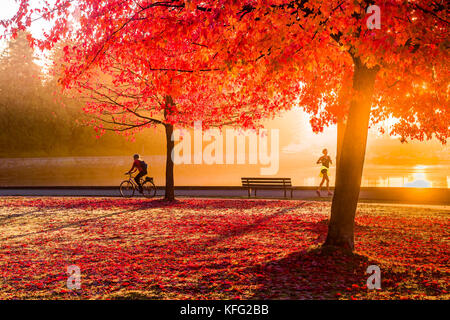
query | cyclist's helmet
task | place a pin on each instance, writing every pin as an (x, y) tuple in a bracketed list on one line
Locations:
[(136, 156)]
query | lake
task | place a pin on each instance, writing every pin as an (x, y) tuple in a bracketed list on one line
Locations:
[(107, 171)]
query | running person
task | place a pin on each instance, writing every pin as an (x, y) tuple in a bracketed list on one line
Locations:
[(141, 167), (325, 160)]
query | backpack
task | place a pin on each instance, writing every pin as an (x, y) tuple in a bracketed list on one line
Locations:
[(144, 165)]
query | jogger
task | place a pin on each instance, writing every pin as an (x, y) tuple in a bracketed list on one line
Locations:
[(325, 160)]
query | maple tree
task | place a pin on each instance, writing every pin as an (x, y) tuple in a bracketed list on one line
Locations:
[(270, 55), (132, 83), (123, 98)]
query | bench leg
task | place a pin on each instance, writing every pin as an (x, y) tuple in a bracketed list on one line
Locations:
[(292, 190), (285, 193), (249, 192)]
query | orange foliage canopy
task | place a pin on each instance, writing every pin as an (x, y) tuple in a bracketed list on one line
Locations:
[(241, 61)]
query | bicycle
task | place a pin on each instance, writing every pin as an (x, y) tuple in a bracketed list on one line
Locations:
[(128, 187)]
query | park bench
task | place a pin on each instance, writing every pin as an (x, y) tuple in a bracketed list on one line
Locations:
[(267, 183)]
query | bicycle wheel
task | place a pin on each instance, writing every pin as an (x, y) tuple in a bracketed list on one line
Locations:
[(149, 189), (126, 189)]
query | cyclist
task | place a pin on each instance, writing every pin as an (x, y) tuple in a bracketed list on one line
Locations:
[(141, 166)]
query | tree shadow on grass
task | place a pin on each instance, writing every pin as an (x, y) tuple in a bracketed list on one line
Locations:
[(135, 206), (247, 228), (78, 223), (331, 273), (226, 279), (18, 215), (203, 247), (142, 203), (320, 273)]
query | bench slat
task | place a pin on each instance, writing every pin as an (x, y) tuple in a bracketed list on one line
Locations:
[(268, 183), (267, 187), (269, 179)]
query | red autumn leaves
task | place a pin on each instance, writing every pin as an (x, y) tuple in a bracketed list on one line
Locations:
[(209, 249), (222, 59)]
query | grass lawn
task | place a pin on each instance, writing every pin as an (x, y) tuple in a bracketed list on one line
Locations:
[(216, 249)]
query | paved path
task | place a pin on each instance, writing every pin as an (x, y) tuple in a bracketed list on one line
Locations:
[(395, 195)]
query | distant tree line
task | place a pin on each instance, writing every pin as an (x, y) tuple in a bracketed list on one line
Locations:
[(37, 120)]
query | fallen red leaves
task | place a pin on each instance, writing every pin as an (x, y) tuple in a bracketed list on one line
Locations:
[(216, 249)]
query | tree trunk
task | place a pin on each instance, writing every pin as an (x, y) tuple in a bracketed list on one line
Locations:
[(351, 162), (340, 139), (169, 191)]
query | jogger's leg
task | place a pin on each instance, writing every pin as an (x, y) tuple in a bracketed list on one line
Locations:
[(320, 186), (328, 184), (321, 183)]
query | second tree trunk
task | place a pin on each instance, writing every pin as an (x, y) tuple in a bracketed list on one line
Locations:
[(169, 192)]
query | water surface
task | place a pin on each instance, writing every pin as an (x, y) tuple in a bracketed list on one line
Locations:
[(107, 171)]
